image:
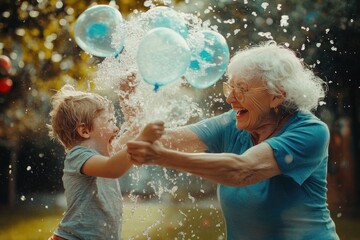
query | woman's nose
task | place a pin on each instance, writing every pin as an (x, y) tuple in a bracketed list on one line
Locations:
[(231, 98)]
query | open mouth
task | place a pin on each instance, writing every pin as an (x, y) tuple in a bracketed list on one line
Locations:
[(241, 112)]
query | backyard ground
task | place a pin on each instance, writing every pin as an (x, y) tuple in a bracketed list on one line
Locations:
[(142, 221)]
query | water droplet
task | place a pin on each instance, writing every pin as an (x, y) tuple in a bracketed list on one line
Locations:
[(289, 159)]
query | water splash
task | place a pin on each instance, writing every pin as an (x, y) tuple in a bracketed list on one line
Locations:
[(174, 103)]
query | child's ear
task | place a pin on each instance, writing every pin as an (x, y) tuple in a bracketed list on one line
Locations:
[(83, 131)]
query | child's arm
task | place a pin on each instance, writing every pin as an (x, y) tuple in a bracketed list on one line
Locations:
[(119, 163)]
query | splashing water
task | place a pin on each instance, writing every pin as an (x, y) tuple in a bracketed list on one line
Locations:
[(173, 103)]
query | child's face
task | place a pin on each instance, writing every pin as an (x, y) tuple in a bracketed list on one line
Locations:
[(104, 131)]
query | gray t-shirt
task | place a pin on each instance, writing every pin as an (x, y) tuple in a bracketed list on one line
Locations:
[(94, 204)]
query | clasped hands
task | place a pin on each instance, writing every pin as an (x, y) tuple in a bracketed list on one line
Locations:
[(146, 148)]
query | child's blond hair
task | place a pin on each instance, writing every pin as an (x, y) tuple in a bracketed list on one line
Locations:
[(70, 108)]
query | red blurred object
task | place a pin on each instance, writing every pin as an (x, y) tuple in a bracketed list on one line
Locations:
[(5, 85), (5, 64)]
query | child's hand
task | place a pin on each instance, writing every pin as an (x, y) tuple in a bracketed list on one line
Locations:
[(152, 132)]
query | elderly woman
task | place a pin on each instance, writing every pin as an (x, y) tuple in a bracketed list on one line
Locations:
[(268, 154)]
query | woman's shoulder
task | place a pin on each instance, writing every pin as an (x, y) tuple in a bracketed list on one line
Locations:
[(307, 122), (306, 118)]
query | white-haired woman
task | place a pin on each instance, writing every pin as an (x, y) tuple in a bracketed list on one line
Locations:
[(268, 154)]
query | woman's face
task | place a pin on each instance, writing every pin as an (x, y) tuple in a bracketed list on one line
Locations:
[(251, 101)]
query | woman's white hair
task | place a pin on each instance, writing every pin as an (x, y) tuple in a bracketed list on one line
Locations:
[(281, 70)]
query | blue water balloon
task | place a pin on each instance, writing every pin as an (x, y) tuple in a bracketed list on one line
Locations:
[(166, 17), (163, 56), (95, 29), (209, 58)]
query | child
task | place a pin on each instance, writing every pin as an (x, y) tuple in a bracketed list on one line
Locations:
[(84, 124)]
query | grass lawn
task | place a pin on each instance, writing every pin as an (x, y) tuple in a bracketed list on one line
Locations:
[(141, 221)]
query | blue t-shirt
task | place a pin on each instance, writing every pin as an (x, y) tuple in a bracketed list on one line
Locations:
[(290, 206), (94, 204)]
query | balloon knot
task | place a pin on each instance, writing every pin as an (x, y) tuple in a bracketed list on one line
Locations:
[(118, 52), (156, 87)]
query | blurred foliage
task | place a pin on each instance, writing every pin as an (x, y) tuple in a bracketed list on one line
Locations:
[(38, 37)]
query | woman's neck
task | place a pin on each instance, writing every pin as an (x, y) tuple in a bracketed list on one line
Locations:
[(263, 134)]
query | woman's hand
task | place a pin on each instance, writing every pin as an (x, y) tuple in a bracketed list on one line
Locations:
[(141, 152), (142, 148)]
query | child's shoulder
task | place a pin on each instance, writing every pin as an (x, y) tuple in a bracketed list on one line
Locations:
[(80, 152), (76, 157)]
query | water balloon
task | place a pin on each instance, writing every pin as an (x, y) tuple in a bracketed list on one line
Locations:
[(163, 56), (94, 29), (209, 58), (166, 17)]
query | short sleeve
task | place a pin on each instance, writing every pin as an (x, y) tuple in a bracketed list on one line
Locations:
[(211, 130), (301, 148), (76, 158)]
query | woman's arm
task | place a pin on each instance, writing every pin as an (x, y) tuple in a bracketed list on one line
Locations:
[(182, 139), (255, 165)]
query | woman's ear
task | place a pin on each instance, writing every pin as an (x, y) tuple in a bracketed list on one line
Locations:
[(83, 131), (278, 99)]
